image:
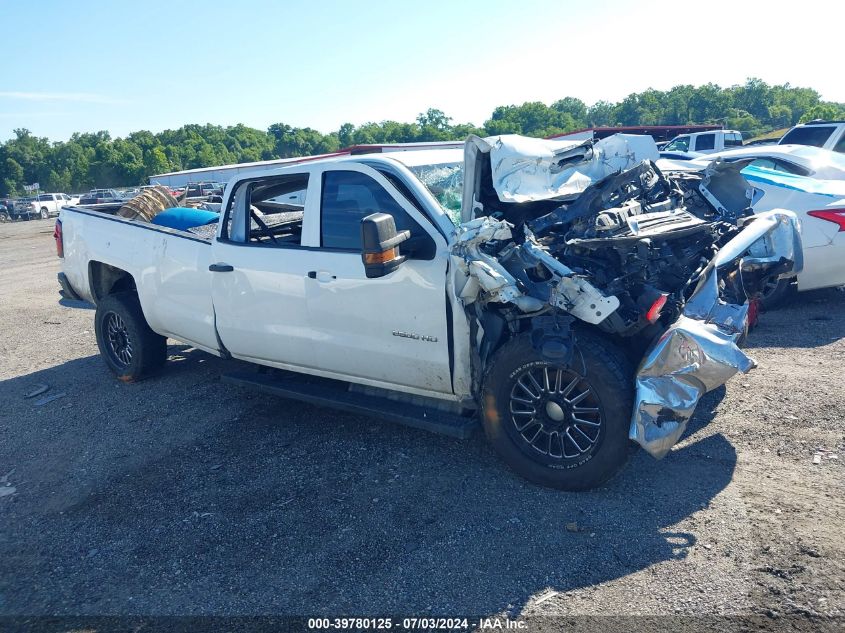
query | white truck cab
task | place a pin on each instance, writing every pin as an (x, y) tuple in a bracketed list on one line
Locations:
[(705, 142)]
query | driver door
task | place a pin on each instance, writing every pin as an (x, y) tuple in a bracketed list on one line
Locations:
[(387, 331)]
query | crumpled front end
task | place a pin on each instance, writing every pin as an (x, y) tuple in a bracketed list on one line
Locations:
[(559, 236), (700, 351)]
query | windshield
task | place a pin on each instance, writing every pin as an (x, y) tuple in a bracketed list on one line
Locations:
[(679, 144), (445, 182)]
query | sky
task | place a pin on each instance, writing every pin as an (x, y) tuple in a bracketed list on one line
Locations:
[(120, 65)]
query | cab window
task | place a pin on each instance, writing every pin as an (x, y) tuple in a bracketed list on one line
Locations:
[(267, 212), (705, 141), (347, 198)]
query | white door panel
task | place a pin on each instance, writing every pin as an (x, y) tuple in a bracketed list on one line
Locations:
[(261, 305), (390, 329)]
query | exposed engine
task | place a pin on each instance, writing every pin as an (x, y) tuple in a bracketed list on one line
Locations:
[(638, 237)]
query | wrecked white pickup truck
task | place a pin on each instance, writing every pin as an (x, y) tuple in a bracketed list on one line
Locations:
[(568, 295)]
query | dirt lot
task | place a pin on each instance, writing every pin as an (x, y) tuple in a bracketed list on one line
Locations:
[(183, 495)]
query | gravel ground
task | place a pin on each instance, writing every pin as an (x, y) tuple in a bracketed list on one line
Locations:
[(184, 495)]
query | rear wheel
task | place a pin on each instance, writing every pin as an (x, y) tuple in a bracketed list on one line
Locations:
[(130, 348), (560, 425), (4, 217)]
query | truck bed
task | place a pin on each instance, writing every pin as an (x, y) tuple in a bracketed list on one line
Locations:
[(169, 268)]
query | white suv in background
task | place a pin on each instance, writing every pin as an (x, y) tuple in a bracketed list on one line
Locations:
[(824, 134)]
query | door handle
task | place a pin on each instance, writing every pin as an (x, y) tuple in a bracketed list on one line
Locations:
[(221, 268), (321, 275)]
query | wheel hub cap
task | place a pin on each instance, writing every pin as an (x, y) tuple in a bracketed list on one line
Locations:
[(556, 412), (118, 338)]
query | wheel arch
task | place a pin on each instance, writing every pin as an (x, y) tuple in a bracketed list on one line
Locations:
[(105, 279)]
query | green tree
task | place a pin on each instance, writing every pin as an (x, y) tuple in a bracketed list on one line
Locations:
[(601, 114), (575, 108), (96, 159), (824, 111), (345, 134), (780, 115)]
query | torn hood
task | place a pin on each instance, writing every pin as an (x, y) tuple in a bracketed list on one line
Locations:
[(523, 169)]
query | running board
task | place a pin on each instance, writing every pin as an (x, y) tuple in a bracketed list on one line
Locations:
[(326, 392)]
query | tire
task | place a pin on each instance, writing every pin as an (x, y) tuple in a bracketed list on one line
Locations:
[(776, 292), (45, 213), (130, 348), (566, 453), (4, 217)]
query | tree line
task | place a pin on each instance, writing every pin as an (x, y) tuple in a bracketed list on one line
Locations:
[(89, 160)]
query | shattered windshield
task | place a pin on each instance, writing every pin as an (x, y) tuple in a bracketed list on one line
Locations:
[(445, 181)]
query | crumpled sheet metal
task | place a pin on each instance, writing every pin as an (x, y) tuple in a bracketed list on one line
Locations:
[(699, 351), (690, 359), (526, 169), (485, 272), (772, 235)]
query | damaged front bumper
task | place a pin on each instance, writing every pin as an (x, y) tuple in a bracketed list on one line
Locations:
[(700, 351)]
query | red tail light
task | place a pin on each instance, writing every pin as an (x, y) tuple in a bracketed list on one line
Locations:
[(837, 216), (60, 243), (654, 311)]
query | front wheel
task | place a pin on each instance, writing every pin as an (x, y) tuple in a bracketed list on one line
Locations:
[(4, 217), (560, 425), (45, 214), (130, 348), (775, 292)]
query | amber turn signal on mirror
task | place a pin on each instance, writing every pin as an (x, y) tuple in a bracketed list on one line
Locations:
[(382, 257)]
